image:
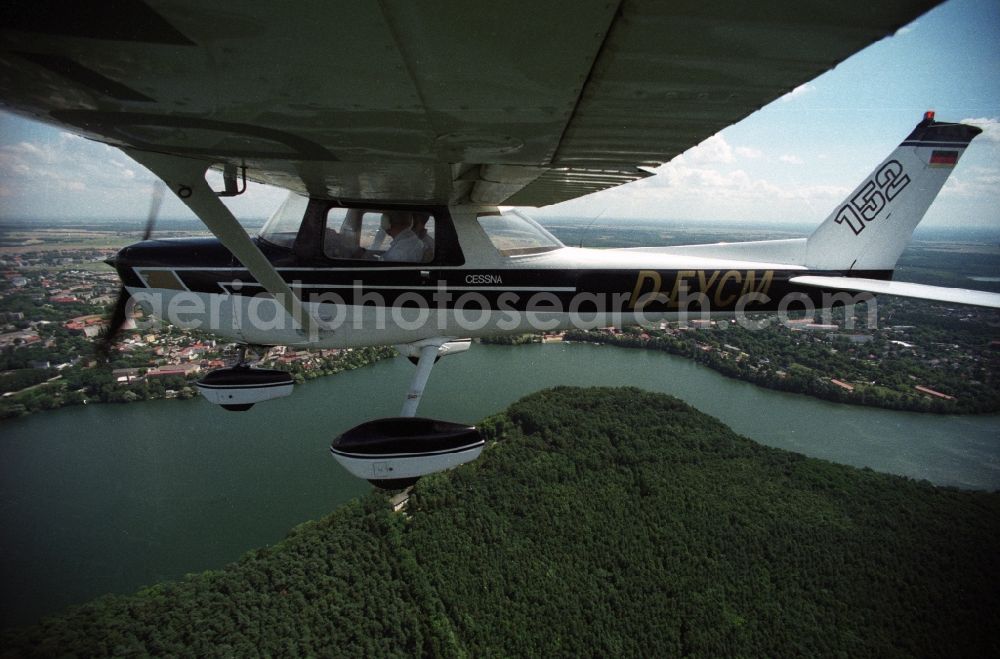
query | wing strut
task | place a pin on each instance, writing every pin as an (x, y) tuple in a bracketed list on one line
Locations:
[(186, 178)]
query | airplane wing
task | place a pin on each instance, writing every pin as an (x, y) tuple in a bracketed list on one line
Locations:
[(515, 102), (903, 289)]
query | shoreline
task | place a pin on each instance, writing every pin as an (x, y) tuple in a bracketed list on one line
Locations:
[(836, 393), (372, 355)]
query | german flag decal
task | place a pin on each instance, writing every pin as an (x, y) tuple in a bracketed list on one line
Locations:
[(944, 158)]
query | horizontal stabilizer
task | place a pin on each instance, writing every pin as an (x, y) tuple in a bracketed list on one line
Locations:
[(902, 288)]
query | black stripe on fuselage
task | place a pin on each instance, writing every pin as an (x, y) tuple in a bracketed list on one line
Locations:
[(211, 281), (578, 290)]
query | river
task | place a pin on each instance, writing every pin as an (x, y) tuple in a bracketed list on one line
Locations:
[(109, 498)]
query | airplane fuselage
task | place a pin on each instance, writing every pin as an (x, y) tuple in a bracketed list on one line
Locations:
[(198, 283)]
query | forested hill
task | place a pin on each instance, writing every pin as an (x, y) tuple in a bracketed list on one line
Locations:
[(603, 522)]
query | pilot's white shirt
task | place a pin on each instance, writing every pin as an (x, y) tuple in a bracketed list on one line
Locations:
[(406, 247), (428, 242)]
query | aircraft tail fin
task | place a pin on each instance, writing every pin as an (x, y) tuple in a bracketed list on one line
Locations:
[(870, 229)]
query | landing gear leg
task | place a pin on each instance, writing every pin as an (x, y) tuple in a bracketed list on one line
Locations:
[(424, 354), (241, 355), (258, 352)]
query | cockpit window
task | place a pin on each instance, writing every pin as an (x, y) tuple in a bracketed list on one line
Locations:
[(515, 234), (398, 236), (283, 226)]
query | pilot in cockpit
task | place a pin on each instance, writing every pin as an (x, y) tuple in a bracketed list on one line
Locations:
[(406, 246), (420, 229), (399, 227)]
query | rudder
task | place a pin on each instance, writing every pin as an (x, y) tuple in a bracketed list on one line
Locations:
[(870, 229)]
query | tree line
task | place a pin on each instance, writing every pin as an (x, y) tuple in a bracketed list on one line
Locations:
[(881, 373), (80, 384)]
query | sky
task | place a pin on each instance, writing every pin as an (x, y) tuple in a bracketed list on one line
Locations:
[(792, 161)]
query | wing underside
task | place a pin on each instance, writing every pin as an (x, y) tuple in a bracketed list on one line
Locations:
[(903, 289), (411, 101)]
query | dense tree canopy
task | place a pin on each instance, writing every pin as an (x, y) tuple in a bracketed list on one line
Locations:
[(598, 522)]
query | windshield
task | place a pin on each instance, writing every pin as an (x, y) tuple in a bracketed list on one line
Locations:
[(283, 226), (515, 234)]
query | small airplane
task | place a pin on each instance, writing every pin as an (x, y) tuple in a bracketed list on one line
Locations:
[(397, 230)]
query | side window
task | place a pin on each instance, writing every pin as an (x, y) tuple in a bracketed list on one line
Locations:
[(429, 239), (379, 235), (372, 236)]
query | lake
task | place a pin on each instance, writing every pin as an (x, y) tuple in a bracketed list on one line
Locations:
[(109, 498)]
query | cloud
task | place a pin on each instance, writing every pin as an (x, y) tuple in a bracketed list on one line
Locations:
[(801, 90), (990, 126), (791, 159), (64, 163), (683, 188), (49, 173), (714, 150), (975, 182), (906, 29), (977, 177), (23, 149)]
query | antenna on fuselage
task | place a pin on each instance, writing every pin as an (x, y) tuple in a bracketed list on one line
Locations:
[(589, 226)]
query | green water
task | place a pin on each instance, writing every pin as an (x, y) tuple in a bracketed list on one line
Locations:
[(110, 498)]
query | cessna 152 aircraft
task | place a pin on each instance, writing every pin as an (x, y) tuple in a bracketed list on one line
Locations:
[(402, 129)]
